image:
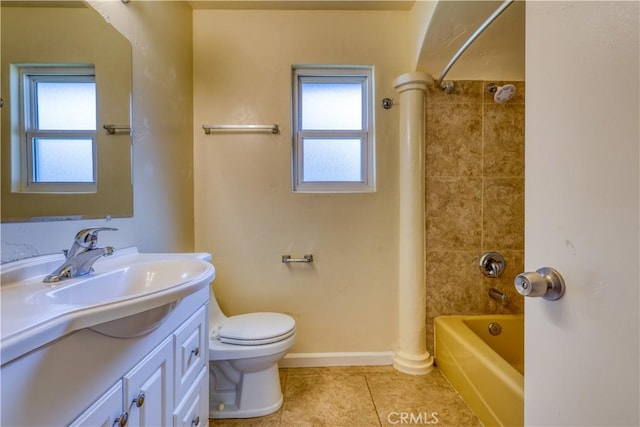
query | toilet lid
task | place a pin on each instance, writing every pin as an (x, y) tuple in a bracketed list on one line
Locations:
[(256, 328)]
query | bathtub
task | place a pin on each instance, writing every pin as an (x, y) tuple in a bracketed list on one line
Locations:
[(486, 370)]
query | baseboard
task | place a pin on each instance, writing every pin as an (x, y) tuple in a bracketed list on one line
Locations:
[(312, 360)]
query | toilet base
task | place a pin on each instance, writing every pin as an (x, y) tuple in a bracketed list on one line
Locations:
[(233, 394)]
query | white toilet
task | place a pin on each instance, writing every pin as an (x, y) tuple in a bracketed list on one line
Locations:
[(244, 351)]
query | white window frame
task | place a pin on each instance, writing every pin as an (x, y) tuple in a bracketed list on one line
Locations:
[(28, 77), (334, 74)]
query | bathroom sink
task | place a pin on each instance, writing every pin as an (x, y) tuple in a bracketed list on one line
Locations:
[(128, 294), (125, 282)]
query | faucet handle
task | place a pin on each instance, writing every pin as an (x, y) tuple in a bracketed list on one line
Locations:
[(492, 264), (88, 237)]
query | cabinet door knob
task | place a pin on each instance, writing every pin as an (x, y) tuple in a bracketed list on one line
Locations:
[(122, 420), (196, 351), (196, 421), (139, 401)]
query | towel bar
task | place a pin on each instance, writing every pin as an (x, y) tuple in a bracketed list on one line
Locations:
[(112, 129), (241, 128), (287, 259)]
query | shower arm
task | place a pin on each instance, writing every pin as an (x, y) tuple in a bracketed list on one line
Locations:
[(471, 39)]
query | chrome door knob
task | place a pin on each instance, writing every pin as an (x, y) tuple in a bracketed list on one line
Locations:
[(544, 282)]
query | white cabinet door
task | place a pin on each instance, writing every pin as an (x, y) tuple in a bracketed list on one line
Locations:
[(105, 411), (193, 411), (148, 388), (191, 352)]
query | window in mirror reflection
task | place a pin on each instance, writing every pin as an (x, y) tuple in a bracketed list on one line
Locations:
[(59, 128), (62, 160)]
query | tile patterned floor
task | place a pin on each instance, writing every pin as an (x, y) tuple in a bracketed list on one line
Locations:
[(362, 397)]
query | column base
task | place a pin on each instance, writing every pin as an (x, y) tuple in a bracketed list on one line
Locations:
[(413, 364)]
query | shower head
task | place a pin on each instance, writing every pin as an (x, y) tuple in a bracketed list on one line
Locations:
[(502, 94)]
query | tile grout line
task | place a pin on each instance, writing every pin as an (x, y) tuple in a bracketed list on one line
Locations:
[(375, 408), (482, 174)]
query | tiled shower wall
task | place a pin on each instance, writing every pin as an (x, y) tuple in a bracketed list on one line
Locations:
[(474, 199)]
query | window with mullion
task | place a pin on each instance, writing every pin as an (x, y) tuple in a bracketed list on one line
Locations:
[(333, 142), (59, 126)]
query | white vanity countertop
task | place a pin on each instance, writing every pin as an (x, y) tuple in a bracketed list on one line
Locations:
[(28, 320)]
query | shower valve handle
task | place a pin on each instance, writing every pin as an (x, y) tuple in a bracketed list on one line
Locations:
[(544, 282)]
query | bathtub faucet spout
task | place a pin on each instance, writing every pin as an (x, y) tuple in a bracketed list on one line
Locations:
[(498, 296)]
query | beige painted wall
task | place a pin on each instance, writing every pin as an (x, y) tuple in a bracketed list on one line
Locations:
[(160, 34), (245, 212), (420, 20)]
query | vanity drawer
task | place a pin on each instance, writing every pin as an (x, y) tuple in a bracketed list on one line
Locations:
[(191, 351)]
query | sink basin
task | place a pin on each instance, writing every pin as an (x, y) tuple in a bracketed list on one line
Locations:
[(128, 294), (125, 282)]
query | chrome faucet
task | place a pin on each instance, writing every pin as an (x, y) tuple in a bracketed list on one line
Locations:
[(83, 253)]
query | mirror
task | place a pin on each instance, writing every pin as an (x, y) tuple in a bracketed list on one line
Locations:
[(66, 33)]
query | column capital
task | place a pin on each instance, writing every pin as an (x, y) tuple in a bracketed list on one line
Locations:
[(416, 80)]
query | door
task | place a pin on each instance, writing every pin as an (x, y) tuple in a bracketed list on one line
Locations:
[(148, 388), (581, 212)]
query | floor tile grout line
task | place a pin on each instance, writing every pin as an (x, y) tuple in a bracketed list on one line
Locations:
[(373, 400)]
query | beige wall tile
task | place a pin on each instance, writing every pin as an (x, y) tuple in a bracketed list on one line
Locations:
[(464, 91), (454, 213), (474, 198), (454, 132), (454, 283), (503, 213), (503, 140)]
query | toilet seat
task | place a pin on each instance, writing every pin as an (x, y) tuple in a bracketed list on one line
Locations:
[(255, 329)]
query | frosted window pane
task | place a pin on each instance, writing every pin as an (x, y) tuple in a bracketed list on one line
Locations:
[(66, 106), (63, 160), (332, 160), (335, 106)]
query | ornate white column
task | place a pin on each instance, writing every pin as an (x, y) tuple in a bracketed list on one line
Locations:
[(411, 356)]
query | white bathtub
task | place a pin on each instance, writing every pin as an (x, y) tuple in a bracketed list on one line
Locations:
[(486, 370)]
